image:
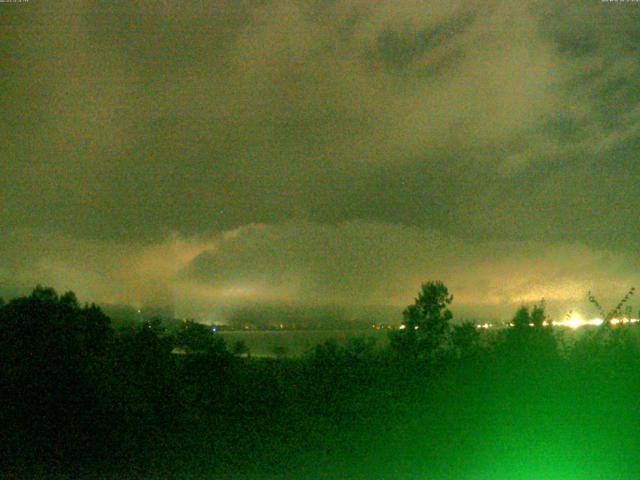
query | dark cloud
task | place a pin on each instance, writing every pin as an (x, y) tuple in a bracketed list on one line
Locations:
[(399, 50), (398, 128)]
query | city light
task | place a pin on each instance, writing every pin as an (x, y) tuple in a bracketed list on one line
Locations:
[(577, 321)]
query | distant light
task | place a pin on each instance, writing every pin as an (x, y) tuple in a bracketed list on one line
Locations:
[(214, 329), (484, 325), (574, 321), (402, 327)]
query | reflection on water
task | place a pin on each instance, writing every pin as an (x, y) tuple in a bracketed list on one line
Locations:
[(294, 342)]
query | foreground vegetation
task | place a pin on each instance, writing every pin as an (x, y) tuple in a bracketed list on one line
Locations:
[(440, 402)]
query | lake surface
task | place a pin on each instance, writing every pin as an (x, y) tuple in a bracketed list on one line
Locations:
[(295, 342)]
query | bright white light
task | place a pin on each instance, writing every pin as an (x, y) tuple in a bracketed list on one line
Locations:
[(484, 325), (574, 321)]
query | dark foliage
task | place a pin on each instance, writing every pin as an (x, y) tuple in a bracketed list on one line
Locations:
[(84, 401), (425, 325)]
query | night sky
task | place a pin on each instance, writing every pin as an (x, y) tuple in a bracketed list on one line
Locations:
[(209, 155)]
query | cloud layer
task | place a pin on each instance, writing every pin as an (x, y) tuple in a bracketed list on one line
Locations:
[(357, 266), (484, 143)]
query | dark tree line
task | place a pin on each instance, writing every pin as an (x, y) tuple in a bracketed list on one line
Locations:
[(78, 396)]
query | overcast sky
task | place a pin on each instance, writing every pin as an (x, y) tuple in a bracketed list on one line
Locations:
[(321, 152)]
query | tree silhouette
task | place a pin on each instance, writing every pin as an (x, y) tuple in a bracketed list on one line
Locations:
[(466, 340), (49, 349), (198, 338), (522, 319), (425, 324), (615, 311), (538, 315), (530, 338)]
